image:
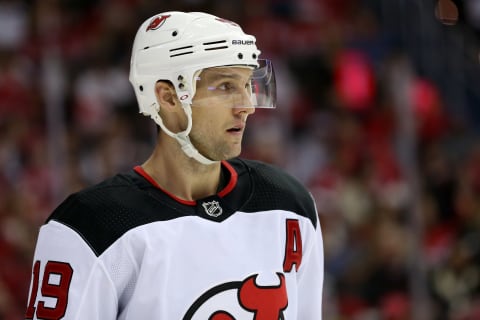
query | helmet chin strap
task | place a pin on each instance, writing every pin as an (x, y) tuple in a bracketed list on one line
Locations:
[(182, 137)]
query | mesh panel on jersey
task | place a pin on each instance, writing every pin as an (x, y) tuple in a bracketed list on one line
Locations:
[(102, 214), (273, 189), (122, 271)]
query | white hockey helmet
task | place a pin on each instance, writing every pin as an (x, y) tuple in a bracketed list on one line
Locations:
[(176, 46)]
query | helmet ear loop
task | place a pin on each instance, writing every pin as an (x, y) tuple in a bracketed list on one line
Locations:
[(188, 112), (155, 115), (184, 140), (183, 137)]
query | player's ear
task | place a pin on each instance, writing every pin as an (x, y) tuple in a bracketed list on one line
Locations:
[(166, 95)]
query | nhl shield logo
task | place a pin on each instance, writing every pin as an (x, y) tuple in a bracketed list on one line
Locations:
[(212, 208)]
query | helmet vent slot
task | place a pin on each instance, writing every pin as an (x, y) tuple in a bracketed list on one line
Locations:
[(181, 48), (214, 42), (179, 52), (216, 48), (215, 45)]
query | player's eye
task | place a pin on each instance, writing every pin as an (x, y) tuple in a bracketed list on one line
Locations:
[(226, 86)]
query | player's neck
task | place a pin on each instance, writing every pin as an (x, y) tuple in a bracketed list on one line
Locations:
[(180, 175)]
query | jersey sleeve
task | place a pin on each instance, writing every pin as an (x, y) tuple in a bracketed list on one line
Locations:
[(311, 274), (68, 280)]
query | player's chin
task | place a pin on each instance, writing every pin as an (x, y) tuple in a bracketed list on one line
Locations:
[(224, 150), (233, 152)]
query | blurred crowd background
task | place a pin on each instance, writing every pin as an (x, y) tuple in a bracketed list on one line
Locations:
[(378, 114)]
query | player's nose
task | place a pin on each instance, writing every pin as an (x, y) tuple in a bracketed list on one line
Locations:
[(246, 104)]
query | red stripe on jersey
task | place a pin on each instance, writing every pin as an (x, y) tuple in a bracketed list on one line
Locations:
[(233, 180), (143, 173), (228, 188)]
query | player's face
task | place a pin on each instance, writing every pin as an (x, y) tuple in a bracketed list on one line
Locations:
[(220, 110)]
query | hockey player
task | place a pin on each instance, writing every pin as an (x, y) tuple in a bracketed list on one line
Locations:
[(194, 232)]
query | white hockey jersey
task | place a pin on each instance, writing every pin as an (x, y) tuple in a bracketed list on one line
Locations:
[(126, 249)]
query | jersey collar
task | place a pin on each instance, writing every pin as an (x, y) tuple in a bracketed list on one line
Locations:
[(232, 182)]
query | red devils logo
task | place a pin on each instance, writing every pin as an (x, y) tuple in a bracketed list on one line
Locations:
[(157, 22), (242, 300)]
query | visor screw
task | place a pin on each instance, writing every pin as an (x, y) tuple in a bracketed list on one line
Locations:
[(174, 33), (181, 86), (254, 56), (180, 78), (141, 88), (240, 56)]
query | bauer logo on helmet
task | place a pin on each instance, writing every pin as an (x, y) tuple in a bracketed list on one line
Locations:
[(243, 42)]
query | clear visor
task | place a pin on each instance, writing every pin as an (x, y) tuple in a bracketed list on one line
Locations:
[(237, 86)]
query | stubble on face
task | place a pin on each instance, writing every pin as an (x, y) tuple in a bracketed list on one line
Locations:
[(215, 144), (218, 128)]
